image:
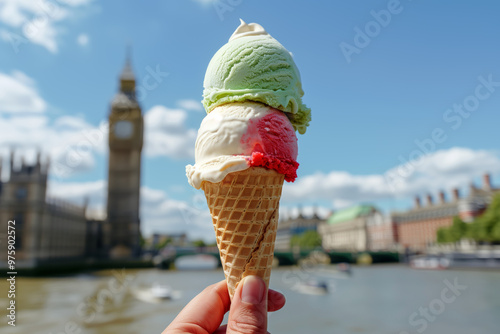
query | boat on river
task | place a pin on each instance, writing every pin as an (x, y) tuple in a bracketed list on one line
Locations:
[(154, 294), (478, 260), (313, 287), (433, 262)]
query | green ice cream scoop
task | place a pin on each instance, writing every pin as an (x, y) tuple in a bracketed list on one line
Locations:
[(253, 66)]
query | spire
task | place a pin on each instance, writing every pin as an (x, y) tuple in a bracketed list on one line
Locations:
[(11, 162), (38, 158), (47, 165), (127, 77), (127, 73)]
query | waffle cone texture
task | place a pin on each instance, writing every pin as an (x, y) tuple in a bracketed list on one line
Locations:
[(244, 208)]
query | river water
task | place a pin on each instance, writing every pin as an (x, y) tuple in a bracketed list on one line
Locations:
[(381, 299)]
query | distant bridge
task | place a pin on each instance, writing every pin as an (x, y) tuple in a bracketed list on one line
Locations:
[(290, 258)]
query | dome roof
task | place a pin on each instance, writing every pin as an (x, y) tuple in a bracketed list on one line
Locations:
[(350, 213)]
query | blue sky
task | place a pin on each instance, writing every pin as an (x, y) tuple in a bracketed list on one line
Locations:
[(60, 61)]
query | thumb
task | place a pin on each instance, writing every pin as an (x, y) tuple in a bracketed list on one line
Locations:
[(248, 314)]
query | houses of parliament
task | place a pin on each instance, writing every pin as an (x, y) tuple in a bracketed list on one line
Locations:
[(47, 229)]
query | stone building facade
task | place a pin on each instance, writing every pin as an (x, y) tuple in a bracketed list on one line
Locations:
[(45, 228), (349, 229), (294, 226), (382, 233), (417, 228)]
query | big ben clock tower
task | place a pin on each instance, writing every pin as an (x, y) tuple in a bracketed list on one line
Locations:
[(124, 171)]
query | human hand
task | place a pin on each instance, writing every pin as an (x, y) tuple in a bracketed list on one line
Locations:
[(247, 312)]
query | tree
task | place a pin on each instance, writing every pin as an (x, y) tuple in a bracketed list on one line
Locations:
[(488, 224), (164, 243), (443, 235), (495, 232), (473, 231), (199, 243), (486, 228), (307, 240), (457, 230), (454, 233)]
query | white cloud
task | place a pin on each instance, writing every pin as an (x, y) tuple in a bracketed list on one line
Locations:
[(42, 34), (83, 39), (70, 141), (19, 94), (166, 133), (190, 105), (336, 186), (78, 192), (14, 13), (162, 214), (71, 123), (441, 170), (39, 22)]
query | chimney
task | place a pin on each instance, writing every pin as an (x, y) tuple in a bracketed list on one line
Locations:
[(442, 198), (315, 212), (429, 199), (418, 205), (456, 194), (486, 182)]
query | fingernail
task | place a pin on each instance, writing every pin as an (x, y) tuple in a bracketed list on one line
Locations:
[(281, 292), (253, 290)]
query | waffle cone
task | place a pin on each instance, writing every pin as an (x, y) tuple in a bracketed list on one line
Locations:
[(244, 208)]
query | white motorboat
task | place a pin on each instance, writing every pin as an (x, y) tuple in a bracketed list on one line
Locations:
[(313, 287), (154, 294), (430, 262)]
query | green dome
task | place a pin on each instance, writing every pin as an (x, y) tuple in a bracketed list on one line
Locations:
[(350, 213)]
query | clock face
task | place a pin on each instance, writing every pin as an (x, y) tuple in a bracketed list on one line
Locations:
[(123, 129)]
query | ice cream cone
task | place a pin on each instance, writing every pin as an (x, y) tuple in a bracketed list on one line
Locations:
[(244, 208)]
